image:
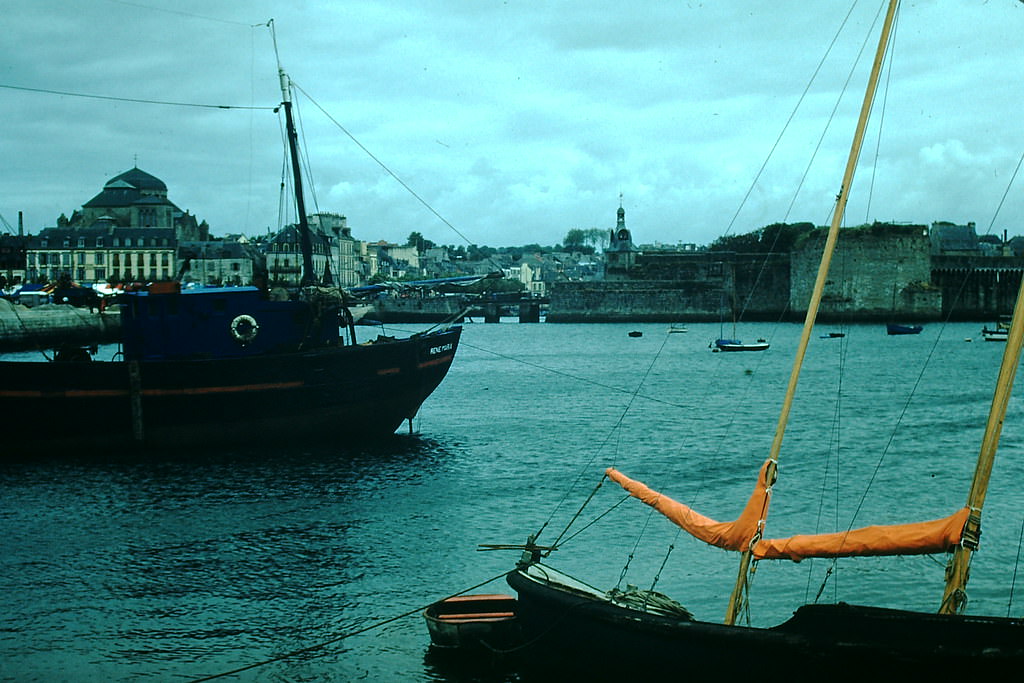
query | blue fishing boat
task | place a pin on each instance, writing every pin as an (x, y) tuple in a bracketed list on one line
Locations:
[(227, 365), (893, 328)]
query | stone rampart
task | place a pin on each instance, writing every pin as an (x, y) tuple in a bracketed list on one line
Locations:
[(877, 272)]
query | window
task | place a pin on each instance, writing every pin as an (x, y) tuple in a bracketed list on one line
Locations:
[(101, 273), (99, 258), (81, 242), (99, 241), (44, 243)]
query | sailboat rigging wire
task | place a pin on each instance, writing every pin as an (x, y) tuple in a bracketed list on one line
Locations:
[(924, 366), (319, 646), (789, 120), (1016, 564), (629, 559), (186, 14), (304, 155), (1002, 200), (612, 430), (136, 100), (593, 492), (585, 380), (380, 163), (832, 447), (881, 119), (592, 522), (814, 154), (657, 577)]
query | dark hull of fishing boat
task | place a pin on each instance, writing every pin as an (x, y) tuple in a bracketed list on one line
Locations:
[(903, 329), (559, 622), (349, 391)]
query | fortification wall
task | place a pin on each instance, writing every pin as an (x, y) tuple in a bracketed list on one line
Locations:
[(877, 272)]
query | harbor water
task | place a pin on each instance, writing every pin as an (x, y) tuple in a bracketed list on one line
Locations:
[(312, 562)]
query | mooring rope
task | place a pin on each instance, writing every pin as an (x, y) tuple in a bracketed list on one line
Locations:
[(343, 636)]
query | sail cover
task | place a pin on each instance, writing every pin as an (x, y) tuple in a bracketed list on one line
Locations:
[(920, 538), (735, 535)]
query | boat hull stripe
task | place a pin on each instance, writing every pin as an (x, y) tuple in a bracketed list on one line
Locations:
[(188, 391)]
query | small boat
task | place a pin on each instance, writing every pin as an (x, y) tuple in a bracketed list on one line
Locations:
[(470, 622), (677, 329), (737, 345), (894, 328), (999, 333), (636, 333), (833, 335)]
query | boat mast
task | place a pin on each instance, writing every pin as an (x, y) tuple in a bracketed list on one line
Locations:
[(308, 274), (954, 598), (738, 596)]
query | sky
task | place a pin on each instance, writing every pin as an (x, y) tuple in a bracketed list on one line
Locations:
[(510, 122)]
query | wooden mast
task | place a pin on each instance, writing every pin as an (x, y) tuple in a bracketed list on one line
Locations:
[(738, 596), (308, 274), (954, 598)]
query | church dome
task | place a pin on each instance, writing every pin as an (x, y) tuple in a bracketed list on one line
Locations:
[(138, 179)]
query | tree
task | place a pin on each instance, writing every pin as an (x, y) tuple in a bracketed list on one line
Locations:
[(575, 239), (417, 240), (777, 238)]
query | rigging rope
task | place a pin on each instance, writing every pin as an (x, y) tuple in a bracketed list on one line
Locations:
[(789, 120), (339, 638), (1016, 565), (136, 100), (613, 430)]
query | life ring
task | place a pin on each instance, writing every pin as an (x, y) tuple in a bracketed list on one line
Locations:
[(244, 329)]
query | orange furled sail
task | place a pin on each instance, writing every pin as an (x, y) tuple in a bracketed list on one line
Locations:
[(920, 538), (735, 535)]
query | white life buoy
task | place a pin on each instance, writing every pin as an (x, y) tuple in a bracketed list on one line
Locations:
[(244, 328)]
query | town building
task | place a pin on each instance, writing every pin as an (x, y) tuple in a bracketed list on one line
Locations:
[(12, 260), (621, 254), (284, 256), (347, 269), (129, 231), (219, 262)]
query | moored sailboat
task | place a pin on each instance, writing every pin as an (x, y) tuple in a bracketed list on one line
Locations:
[(999, 333), (565, 620)]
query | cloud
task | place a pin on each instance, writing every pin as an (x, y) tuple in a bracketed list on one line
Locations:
[(515, 121)]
